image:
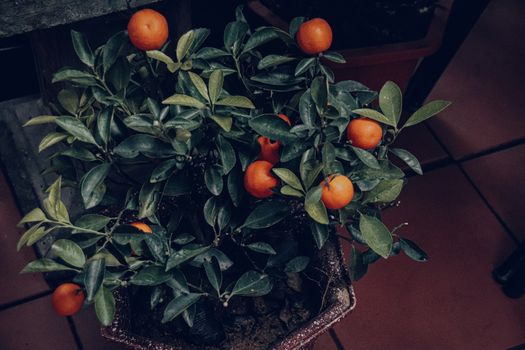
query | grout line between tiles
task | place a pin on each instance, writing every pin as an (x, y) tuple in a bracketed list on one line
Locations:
[(336, 340), (24, 300), (473, 184), (73, 329)]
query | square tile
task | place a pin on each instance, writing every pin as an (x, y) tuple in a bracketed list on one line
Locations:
[(451, 301), (14, 285), (485, 83), (499, 177), (35, 326)]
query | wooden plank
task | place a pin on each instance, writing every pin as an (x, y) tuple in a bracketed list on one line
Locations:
[(28, 15)]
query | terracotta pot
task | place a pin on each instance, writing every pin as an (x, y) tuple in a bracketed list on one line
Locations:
[(340, 301), (374, 65)]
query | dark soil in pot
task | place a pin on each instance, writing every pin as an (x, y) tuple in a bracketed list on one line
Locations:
[(362, 23)]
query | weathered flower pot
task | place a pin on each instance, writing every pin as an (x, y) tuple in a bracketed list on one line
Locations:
[(340, 301), (374, 65)]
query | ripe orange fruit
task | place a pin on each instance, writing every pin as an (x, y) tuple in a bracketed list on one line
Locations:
[(364, 133), (67, 299), (338, 191), (148, 30), (258, 181), (141, 226), (314, 36), (269, 148)]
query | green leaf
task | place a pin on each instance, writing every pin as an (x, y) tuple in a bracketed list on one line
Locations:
[(252, 284), (69, 251), (50, 140), (69, 100), (375, 115), (293, 150), (149, 198), (409, 159), (334, 57), (184, 100), (112, 49), (234, 34), (264, 35), (75, 76), (235, 186), (105, 306), (34, 215), (76, 128), (82, 48), (272, 127), (273, 60), (391, 102), (147, 145), (213, 179), (386, 191), (93, 277), (199, 84), (41, 119), (319, 92), (236, 101), (214, 273), (319, 233), (357, 266), (295, 23), (261, 247), (304, 65), (227, 154), (93, 221), (376, 235), (310, 170), (161, 56), (45, 265), (163, 171), (32, 235), (266, 214), (211, 210), (184, 254), (288, 177), (91, 182), (427, 111), (178, 305), (224, 122), (150, 276), (184, 44), (290, 191), (307, 109), (297, 264), (314, 207), (366, 157), (215, 84), (78, 153), (104, 120), (412, 250), (224, 215), (208, 53)]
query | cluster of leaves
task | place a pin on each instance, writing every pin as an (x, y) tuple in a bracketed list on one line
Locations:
[(177, 161)]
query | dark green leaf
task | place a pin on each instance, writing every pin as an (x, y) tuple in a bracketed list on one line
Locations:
[(234, 34), (386, 191), (235, 186), (427, 111), (307, 109), (272, 127), (91, 182), (150, 276), (163, 171), (50, 140), (297, 264), (375, 115), (211, 210), (76, 128), (262, 36), (319, 233), (319, 92), (213, 179), (366, 157), (409, 159), (214, 273), (412, 250), (178, 305), (105, 306), (112, 49), (104, 120), (69, 100), (199, 85), (78, 153), (75, 76), (93, 277), (314, 207), (227, 154), (376, 234), (224, 215), (148, 145), (149, 199), (261, 247), (334, 57), (69, 251), (290, 191), (93, 221), (184, 254), (44, 265), (266, 214), (252, 284), (357, 266), (288, 177), (391, 102), (82, 48), (303, 65), (293, 150), (295, 23), (273, 60)]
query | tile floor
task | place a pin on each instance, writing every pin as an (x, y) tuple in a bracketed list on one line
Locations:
[(466, 212)]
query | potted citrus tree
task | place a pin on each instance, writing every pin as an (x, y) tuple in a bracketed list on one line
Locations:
[(214, 183)]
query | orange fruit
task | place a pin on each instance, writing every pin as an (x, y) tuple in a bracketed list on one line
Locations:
[(258, 180), (141, 226), (148, 30), (364, 133), (269, 148), (314, 36), (338, 191), (67, 299)]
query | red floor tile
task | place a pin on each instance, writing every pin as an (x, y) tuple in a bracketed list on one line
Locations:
[(419, 141), (11, 261), (88, 329), (35, 326), (499, 176), (485, 83), (450, 302), (325, 342)]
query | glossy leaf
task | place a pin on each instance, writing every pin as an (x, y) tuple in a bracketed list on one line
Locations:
[(178, 305), (386, 191), (266, 214), (76, 128), (149, 198), (304, 65), (290, 191), (90, 182), (213, 179), (213, 273), (391, 102), (44, 265), (252, 284), (334, 56), (69, 251), (186, 253), (427, 111), (93, 277), (50, 140), (320, 233), (224, 122), (376, 235), (261, 247), (184, 100), (271, 127), (199, 84), (236, 101), (273, 60), (314, 207), (297, 264), (412, 250), (227, 154), (34, 215), (82, 48), (366, 157), (215, 85), (409, 159), (288, 177), (375, 115), (105, 306)]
